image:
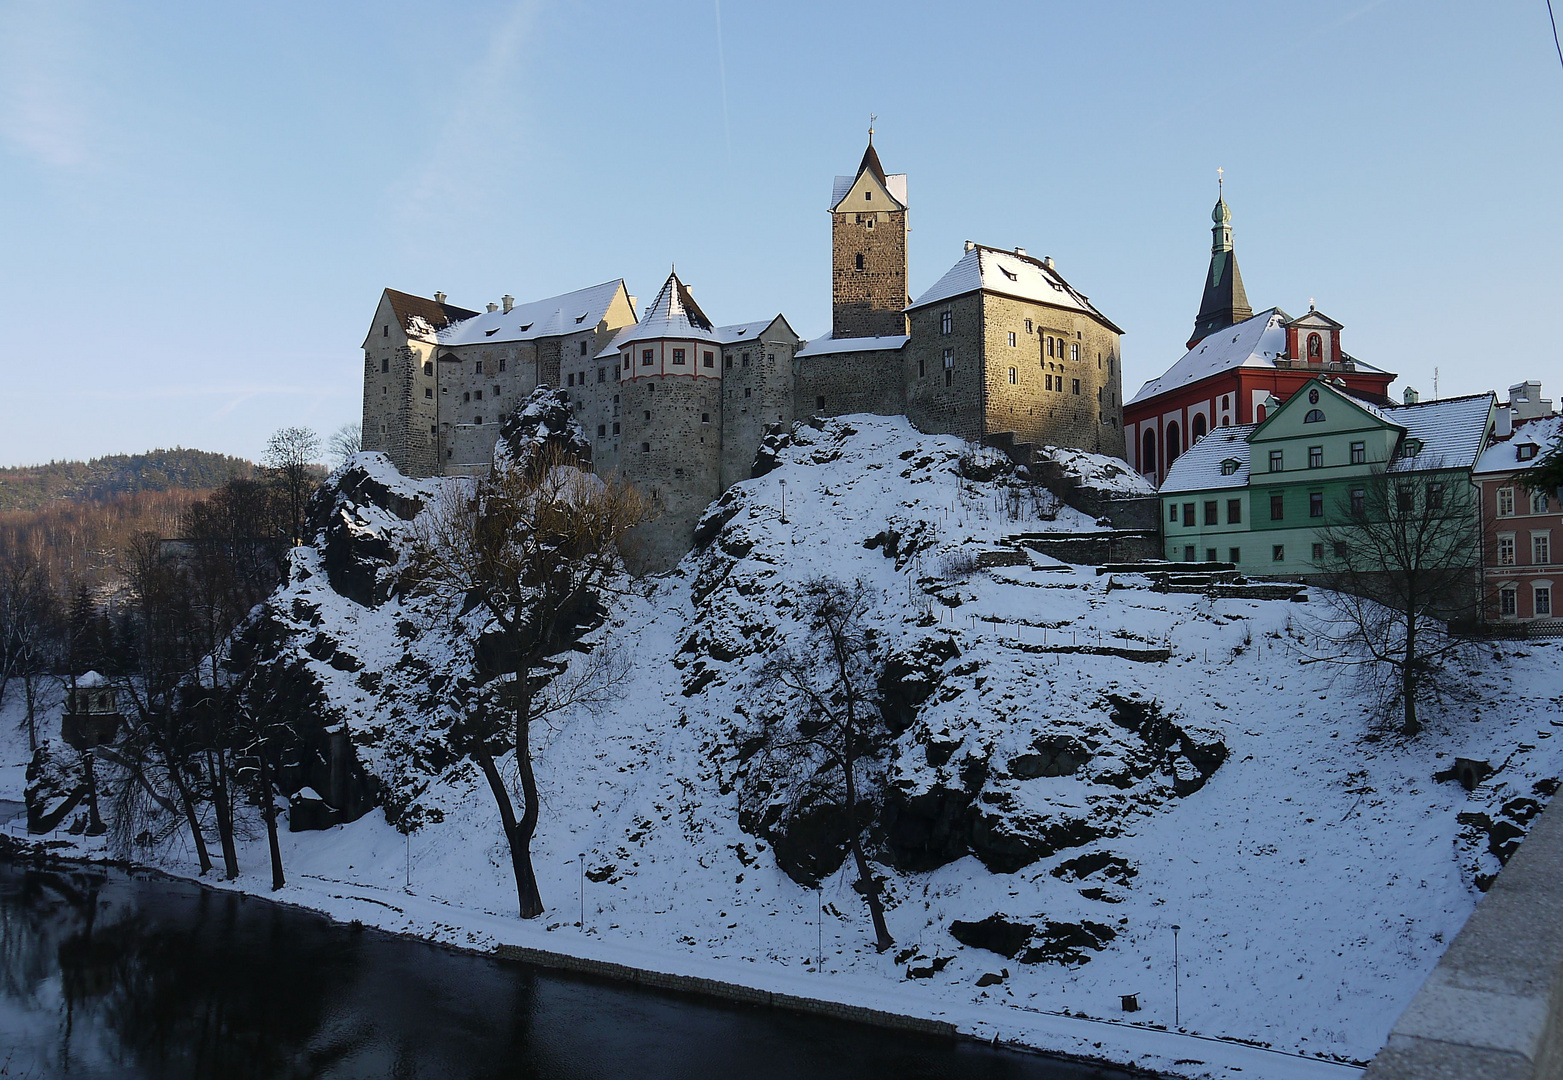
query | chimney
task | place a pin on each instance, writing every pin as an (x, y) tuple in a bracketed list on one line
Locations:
[(439, 297), (493, 307), (1503, 423), (1410, 396), (970, 245), (1047, 261), (1526, 400), (1020, 251), (507, 302)]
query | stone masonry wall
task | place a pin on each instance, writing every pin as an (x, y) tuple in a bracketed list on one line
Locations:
[(935, 404), (868, 302), (672, 452), (833, 384), (757, 392), (1071, 398)]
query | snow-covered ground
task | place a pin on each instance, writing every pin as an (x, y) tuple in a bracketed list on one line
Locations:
[(1317, 875)]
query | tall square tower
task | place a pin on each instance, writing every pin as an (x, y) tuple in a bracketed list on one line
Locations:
[(868, 251)]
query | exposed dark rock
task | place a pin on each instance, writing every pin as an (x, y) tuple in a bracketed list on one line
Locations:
[(928, 829), (1007, 840), (995, 933), (909, 678), (354, 556), (1468, 771), (1054, 755), (1049, 942), (1097, 862)]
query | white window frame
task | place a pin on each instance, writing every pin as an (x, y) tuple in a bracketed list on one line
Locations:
[(1506, 551), (1541, 547), (1506, 502)]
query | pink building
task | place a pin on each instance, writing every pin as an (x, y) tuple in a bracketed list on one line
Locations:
[(1522, 567)]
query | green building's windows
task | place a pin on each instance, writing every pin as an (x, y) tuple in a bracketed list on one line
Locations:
[(1235, 555), (1188, 516), (1278, 553), (1234, 511), (1315, 457), (1359, 453), (1318, 553), (1212, 515), (1359, 500), (1316, 504), (1276, 461), (1277, 506)]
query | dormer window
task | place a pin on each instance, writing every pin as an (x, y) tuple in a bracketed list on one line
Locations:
[(581, 317), (525, 327), (1007, 272), (1526, 451), (1413, 447), (1230, 466)]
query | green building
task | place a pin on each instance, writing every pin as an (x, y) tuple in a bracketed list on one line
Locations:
[(1260, 495)]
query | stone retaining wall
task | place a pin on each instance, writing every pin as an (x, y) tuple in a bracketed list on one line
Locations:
[(1493, 1007)]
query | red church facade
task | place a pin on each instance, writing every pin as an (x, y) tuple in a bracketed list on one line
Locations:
[(1237, 362)]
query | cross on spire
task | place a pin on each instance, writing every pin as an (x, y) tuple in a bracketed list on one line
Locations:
[(1220, 174), (872, 118)]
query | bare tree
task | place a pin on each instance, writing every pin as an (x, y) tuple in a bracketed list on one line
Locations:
[(1401, 564), (529, 550), (345, 441), (290, 458), (1546, 476), (838, 726), (31, 629)]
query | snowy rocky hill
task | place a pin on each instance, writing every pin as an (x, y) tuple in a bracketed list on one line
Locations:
[(1072, 763)]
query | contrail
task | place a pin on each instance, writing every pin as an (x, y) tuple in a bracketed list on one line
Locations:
[(721, 64)]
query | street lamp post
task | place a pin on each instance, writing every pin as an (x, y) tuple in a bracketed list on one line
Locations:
[(784, 502), (1177, 1018)]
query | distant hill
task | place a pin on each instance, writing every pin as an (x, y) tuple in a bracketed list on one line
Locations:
[(30, 487)]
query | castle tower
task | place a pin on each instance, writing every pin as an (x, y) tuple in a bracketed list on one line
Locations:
[(1224, 302), (868, 251), (670, 388)]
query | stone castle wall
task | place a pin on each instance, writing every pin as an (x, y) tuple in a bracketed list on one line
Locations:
[(757, 393), (935, 403), (834, 384), (672, 452)]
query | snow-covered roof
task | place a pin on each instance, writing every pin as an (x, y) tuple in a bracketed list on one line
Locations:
[(1199, 467), (1256, 342), (563, 314), (673, 314), (1451, 431), (1503, 456), (90, 681), (825, 345), (1010, 274), (738, 333), (895, 183)]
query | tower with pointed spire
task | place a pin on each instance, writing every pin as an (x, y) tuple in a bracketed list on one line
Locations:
[(868, 251), (1224, 302)]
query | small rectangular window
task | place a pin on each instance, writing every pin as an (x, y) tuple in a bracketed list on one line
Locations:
[(1540, 549), (1210, 554), (1212, 512), (1234, 555), (678, 356), (705, 418), (748, 390), (1012, 339), (428, 391), (428, 367), (708, 358), (727, 359), (1074, 350), (1276, 459), (645, 448), (1278, 553), (1188, 552), (1507, 602), (1359, 501), (1188, 515), (602, 430), (944, 322), (1505, 551), (1359, 453), (1318, 553), (583, 348), (1172, 513), (1543, 601), (1014, 376), (1435, 496), (922, 367), (385, 367), (1047, 381), (477, 368), (1316, 504), (1076, 385), (615, 427), (1050, 343), (1315, 457), (1028, 326), (602, 374), (819, 402), (1277, 506), (1505, 502), (744, 361), (569, 379), (647, 356), (501, 363), (1234, 511)]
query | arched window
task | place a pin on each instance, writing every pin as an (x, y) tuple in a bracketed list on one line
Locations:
[(1315, 347), (1148, 455), (1315, 416), (1199, 427), (1259, 414), (1174, 446)]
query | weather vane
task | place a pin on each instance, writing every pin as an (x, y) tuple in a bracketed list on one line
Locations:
[(872, 118)]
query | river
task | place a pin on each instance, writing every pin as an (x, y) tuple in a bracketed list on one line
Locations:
[(112, 974)]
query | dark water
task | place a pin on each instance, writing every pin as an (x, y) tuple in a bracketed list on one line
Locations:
[(104, 974)]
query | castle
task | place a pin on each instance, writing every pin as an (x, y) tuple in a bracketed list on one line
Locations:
[(1000, 348)]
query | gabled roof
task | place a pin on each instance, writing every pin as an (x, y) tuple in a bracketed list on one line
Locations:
[(825, 345), (1199, 467), (1311, 389), (1451, 431), (419, 315), (894, 183), (1256, 342), (1504, 455), (1009, 274), (582, 309), (1315, 317), (673, 314), (751, 331)]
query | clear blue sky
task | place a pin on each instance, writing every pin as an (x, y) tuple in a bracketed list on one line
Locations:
[(202, 202)]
